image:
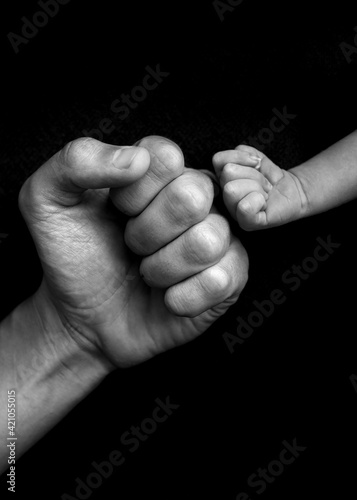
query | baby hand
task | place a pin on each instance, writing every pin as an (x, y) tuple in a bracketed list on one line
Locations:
[(257, 193)]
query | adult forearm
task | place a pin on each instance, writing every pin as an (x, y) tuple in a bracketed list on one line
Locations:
[(329, 179), (48, 370)]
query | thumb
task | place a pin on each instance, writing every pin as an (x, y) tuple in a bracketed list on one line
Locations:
[(86, 163)]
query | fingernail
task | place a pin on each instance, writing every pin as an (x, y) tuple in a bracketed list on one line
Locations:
[(123, 157), (257, 160), (250, 160), (269, 186)]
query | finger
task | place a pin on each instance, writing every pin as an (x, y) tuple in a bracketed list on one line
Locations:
[(201, 246), (184, 202), (250, 212), (166, 163), (245, 148), (253, 152), (86, 164), (214, 179), (244, 158), (233, 172), (210, 287), (271, 171), (235, 191)]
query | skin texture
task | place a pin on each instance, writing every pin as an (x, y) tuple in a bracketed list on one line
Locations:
[(259, 194), (135, 261), (98, 287), (258, 198)]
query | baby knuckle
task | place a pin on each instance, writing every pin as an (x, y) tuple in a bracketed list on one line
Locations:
[(243, 148), (229, 190), (229, 169), (217, 159), (245, 207)]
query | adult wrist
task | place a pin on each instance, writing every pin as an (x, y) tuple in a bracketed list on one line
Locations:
[(49, 371), (60, 337)]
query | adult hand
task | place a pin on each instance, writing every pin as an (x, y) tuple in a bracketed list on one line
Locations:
[(130, 291)]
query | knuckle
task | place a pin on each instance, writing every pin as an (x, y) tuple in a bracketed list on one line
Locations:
[(189, 201), (217, 159), (218, 281), (173, 302), (243, 148), (205, 244), (245, 207), (168, 155), (228, 189), (180, 302), (78, 151), (229, 170)]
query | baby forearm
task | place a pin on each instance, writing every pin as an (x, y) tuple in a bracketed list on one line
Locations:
[(329, 179)]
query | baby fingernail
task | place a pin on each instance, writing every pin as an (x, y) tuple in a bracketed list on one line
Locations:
[(257, 160)]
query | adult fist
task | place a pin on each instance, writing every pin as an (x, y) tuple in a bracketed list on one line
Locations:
[(192, 268)]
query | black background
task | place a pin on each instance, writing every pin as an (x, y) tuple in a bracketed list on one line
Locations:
[(291, 378)]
